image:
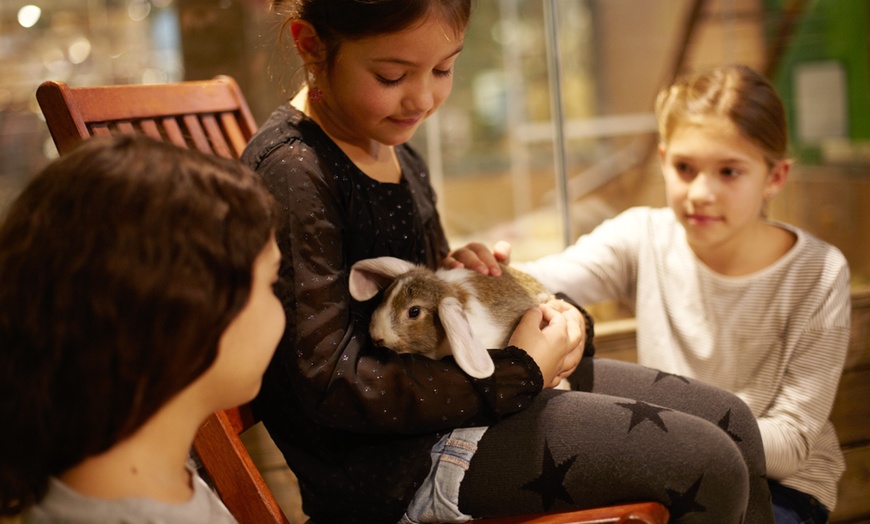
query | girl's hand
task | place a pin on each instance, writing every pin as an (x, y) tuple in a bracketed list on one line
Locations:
[(478, 257), (574, 315), (554, 339)]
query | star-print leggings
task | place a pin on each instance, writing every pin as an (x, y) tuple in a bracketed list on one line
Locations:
[(630, 434)]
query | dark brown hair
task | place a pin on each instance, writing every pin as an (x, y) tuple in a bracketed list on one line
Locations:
[(337, 21), (121, 265), (736, 92)]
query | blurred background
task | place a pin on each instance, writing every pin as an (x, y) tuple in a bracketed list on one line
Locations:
[(549, 129)]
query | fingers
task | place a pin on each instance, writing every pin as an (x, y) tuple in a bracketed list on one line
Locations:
[(502, 251), (569, 325), (474, 256), (572, 315), (560, 305), (554, 339)]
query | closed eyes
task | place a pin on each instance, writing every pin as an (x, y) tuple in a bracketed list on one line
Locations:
[(441, 73)]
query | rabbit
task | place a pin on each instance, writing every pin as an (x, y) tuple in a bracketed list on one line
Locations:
[(448, 311)]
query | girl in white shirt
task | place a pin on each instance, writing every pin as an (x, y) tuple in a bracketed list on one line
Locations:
[(720, 292)]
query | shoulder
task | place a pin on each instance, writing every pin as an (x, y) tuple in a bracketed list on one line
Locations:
[(817, 273), (408, 154), (413, 165), (812, 250), (287, 132), (415, 170)]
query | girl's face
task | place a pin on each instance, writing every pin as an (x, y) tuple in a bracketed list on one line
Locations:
[(382, 88), (716, 182), (249, 341)]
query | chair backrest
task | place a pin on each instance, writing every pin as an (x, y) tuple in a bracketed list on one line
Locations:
[(210, 115)]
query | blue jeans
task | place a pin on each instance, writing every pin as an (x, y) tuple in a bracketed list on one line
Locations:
[(437, 499), (791, 506)]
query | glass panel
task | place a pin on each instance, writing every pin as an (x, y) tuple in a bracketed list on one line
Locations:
[(492, 142)]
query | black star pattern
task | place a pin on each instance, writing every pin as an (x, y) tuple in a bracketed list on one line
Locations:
[(641, 411), (550, 485), (685, 502), (662, 375), (725, 423)]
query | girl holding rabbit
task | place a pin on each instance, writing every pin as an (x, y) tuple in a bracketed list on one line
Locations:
[(721, 293), (136, 300), (405, 438)]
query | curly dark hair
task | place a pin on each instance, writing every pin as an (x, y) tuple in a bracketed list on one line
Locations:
[(121, 264)]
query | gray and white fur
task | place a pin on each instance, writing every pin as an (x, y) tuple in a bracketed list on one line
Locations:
[(448, 311)]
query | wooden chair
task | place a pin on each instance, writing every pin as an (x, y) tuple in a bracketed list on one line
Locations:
[(213, 117), (231, 469), (639, 513)]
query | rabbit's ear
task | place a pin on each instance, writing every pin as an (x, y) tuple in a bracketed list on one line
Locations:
[(369, 275), (473, 358)]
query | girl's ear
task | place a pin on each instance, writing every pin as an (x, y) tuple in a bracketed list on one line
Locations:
[(777, 179), (308, 43)]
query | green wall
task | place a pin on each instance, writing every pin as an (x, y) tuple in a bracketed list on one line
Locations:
[(828, 30)]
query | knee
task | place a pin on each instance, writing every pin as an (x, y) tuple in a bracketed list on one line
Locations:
[(730, 413)]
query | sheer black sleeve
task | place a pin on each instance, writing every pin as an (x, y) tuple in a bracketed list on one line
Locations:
[(339, 378)]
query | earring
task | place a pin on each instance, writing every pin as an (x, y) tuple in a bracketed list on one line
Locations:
[(315, 94)]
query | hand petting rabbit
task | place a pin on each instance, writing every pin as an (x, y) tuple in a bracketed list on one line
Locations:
[(449, 311)]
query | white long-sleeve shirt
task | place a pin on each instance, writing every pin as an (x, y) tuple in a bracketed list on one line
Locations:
[(777, 338)]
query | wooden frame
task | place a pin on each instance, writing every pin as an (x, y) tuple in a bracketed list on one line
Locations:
[(210, 115)]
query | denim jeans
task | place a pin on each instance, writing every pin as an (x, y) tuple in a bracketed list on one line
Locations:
[(791, 506), (437, 499)]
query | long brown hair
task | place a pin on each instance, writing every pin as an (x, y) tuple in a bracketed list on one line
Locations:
[(121, 265)]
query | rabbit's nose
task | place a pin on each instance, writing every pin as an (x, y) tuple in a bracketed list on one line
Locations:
[(378, 342)]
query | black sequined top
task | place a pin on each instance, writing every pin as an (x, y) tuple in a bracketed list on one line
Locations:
[(356, 422)]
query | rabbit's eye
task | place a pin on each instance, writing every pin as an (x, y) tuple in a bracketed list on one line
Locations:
[(414, 312)]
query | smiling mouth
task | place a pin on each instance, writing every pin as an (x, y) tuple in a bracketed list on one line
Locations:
[(701, 220), (407, 122)]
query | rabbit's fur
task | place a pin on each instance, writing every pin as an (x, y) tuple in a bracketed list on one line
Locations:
[(438, 313)]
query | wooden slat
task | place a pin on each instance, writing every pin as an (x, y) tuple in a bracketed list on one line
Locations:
[(100, 129), (196, 134), (126, 127), (230, 124), (173, 131), (853, 503), (150, 128), (215, 135)]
